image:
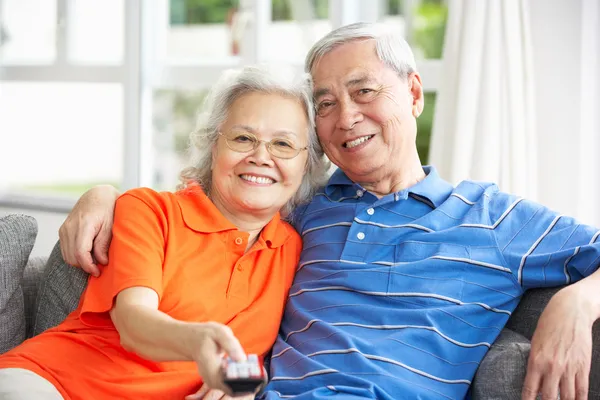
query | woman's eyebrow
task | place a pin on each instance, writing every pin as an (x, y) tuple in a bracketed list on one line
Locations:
[(250, 129), (285, 132), (244, 127)]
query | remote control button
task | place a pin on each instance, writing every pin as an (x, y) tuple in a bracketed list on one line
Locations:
[(232, 372)]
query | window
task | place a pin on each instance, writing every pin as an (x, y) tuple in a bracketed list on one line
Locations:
[(107, 92), (27, 37), (63, 138), (297, 24), (203, 30), (173, 120)]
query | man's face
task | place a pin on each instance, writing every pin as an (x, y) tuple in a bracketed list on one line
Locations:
[(366, 114)]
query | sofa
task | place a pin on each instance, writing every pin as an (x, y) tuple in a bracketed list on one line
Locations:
[(38, 293)]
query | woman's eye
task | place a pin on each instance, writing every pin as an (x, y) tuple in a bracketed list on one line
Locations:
[(243, 138), (283, 143), (365, 91)]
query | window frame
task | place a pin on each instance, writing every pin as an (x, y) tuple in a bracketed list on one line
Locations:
[(144, 68)]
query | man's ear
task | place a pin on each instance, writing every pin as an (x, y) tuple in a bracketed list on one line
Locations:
[(416, 90)]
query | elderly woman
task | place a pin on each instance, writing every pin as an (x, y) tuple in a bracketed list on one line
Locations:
[(195, 273)]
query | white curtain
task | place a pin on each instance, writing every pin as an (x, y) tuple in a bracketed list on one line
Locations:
[(484, 124), (588, 194)]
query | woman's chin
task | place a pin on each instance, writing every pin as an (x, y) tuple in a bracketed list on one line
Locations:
[(259, 207)]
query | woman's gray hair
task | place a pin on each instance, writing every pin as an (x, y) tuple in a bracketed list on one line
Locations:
[(391, 49), (232, 85)]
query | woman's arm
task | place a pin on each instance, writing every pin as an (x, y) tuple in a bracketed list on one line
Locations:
[(156, 336)]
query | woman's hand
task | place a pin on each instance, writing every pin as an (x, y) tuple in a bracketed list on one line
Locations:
[(214, 340)]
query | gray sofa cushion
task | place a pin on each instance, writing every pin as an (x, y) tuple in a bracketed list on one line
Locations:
[(32, 276), (502, 372), (58, 292), (17, 237)]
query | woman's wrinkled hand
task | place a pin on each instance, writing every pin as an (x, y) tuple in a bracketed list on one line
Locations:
[(211, 343)]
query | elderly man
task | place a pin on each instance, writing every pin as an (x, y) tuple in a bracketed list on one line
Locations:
[(404, 281)]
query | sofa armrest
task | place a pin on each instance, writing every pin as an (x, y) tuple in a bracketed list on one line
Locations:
[(509, 354), (32, 276)]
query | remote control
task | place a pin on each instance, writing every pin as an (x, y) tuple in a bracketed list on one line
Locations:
[(244, 376)]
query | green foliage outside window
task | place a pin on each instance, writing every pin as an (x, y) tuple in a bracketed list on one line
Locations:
[(184, 12), (282, 11), (430, 26)]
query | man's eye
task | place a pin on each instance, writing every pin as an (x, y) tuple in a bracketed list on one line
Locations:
[(365, 91), (364, 95), (323, 105)]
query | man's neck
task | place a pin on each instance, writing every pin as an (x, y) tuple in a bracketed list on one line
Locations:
[(405, 177)]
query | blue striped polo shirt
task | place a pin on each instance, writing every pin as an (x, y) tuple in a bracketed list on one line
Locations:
[(401, 297)]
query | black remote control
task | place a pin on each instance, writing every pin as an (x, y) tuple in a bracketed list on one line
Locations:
[(244, 376)]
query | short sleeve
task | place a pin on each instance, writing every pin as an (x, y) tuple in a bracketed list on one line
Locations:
[(136, 255), (542, 247)]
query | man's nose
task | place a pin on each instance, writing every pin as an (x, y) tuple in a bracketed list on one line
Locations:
[(349, 115)]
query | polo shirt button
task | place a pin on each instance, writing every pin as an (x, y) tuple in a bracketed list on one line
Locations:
[(240, 268), (360, 236), (238, 240), (370, 211), (359, 193)]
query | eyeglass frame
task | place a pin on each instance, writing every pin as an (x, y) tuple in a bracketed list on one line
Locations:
[(267, 143)]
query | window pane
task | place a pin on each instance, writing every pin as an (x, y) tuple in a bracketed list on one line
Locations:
[(202, 29), (174, 119), (96, 31), (423, 24), (429, 28), (27, 31), (60, 138), (424, 125), (296, 26)]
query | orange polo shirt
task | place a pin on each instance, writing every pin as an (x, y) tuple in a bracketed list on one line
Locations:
[(182, 247)]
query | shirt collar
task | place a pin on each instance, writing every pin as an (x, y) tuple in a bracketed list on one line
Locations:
[(433, 188), (201, 215)]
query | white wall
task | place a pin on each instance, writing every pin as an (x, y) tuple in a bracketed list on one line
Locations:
[(48, 224)]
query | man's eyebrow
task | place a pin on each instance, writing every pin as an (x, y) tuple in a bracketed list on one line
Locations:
[(321, 92), (359, 80)]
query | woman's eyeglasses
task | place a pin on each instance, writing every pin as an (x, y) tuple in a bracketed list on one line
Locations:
[(245, 142)]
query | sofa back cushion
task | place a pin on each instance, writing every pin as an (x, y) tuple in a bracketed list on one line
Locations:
[(17, 237), (59, 291)]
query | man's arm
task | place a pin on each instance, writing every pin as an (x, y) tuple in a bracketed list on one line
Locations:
[(544, 249), (86, 233)]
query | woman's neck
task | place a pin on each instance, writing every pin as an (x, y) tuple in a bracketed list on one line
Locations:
[(251, 223)]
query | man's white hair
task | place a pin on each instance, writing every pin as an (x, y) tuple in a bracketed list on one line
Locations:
[(391, 49)]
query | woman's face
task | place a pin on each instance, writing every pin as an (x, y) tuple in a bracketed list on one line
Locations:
[(257, 181)]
